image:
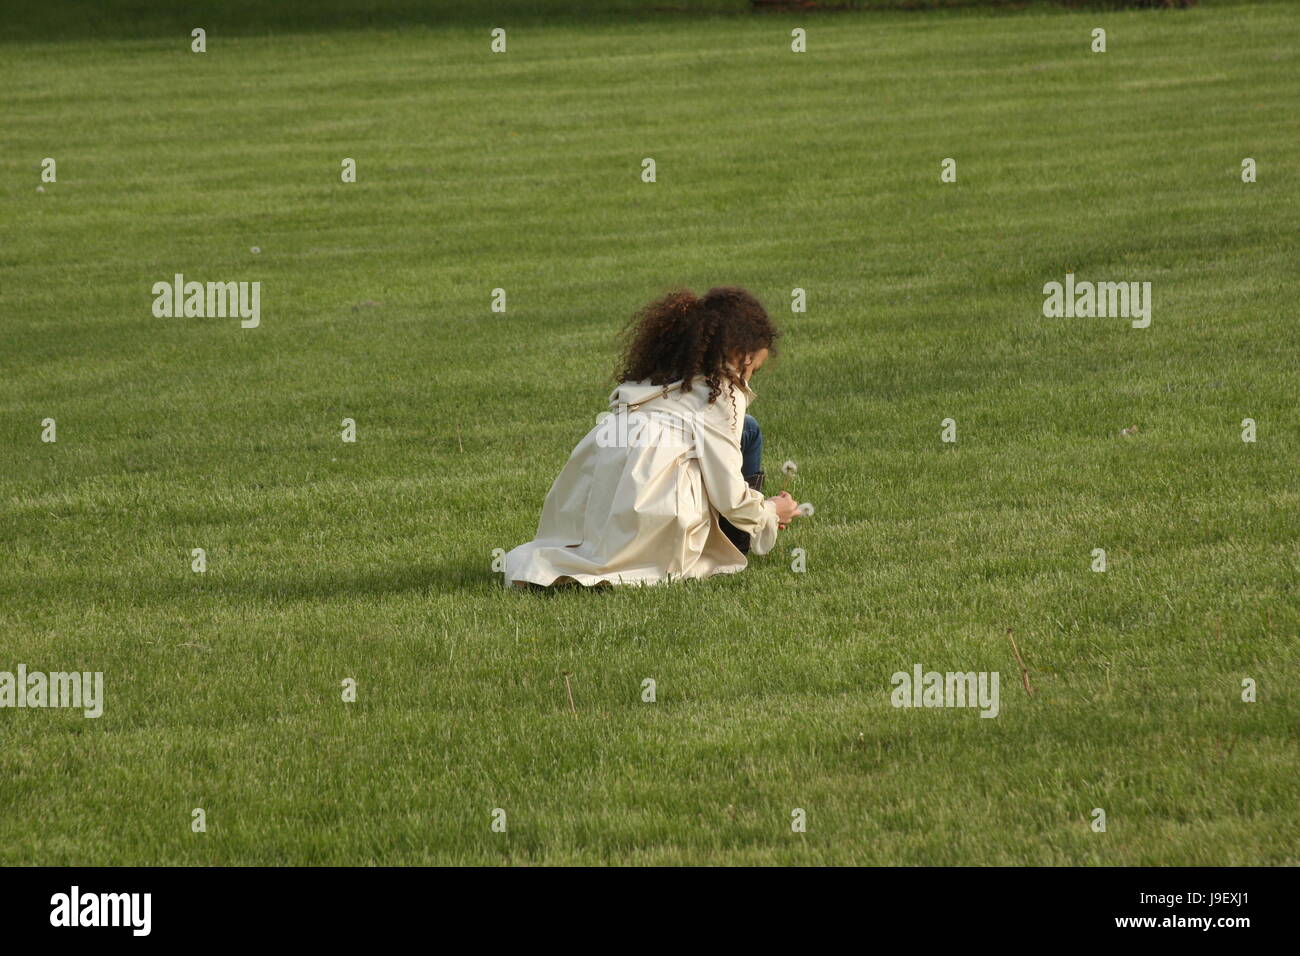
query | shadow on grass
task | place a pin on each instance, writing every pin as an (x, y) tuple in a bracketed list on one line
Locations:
[(418, 580), (59, 21), (463, 578), (64, 20), (451, 577)]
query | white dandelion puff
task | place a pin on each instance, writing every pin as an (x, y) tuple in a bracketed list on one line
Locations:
[(806, 509), (789, 469)]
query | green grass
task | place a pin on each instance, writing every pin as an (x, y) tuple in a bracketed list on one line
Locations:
[(371, 560)]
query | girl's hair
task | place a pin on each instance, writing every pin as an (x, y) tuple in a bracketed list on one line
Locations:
[(685, 337)]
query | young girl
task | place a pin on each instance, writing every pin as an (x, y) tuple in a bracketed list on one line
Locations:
[(668, 485)]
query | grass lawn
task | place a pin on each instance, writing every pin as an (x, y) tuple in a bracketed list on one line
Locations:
[(371, 560)]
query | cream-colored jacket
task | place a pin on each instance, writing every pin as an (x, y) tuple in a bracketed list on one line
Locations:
[(639, 499)]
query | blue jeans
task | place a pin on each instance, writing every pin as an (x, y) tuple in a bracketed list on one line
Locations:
[(751, 448), (751, 463)]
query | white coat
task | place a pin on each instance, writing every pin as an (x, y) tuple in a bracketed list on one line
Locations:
[(639, 499)]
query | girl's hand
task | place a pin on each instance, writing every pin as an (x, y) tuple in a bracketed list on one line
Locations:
[(786, 509)]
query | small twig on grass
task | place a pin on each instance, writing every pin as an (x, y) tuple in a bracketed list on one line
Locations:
[(569, 688), (458, 441), (1024, 671)]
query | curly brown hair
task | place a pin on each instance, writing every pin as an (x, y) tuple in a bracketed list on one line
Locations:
[(683, 337)]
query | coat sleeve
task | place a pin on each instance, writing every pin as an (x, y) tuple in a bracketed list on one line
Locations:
[(717, 442)]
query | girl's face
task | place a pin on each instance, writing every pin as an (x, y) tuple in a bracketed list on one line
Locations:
[(753, 363)]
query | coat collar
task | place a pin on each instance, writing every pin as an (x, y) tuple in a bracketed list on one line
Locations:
[(633, 394)]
